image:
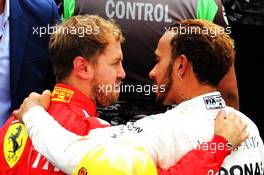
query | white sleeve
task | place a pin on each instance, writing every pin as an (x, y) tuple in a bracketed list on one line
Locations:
[(153, 133), (161, 136), (64, 149)]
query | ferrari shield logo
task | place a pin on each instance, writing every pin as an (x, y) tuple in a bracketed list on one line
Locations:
[(14, 143)]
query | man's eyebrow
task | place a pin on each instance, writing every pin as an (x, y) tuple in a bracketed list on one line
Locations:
[(118, 59)]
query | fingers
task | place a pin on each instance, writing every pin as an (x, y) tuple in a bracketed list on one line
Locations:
[(45, 99), (241, 139), (239, 124), (221, 115), (18, 113), (244, 136), (236, 119), (34, 99), (232, 116), (231, 127), (15, 113), (46, 92), (243, 126)]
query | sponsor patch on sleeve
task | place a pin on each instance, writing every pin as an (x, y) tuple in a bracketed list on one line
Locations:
[(14, 143), (62, 94), (214, 102)]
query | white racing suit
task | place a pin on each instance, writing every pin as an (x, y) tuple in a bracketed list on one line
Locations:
[(166, 137)]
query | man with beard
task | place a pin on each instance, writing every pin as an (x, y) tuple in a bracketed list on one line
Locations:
[(87, 59), (143, 23), (162, 135), (86, 54)]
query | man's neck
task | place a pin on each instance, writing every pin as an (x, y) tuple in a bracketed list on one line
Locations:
[(80, 85), (201, 90), (2, 5), (196, 91)]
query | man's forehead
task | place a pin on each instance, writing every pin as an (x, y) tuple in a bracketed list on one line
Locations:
[(166, 37), (113, 46), (164, 42)]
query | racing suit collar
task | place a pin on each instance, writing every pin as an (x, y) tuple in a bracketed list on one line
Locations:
[(63, 93), (209, 101)]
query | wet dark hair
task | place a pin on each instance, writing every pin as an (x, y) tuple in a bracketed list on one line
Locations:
[(206, 46)]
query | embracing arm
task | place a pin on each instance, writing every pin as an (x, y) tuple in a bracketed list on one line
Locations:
[(66, 149), (200, 162), (72, 153)]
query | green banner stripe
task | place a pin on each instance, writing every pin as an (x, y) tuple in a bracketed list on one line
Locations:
[(69, 7), (206, 9)]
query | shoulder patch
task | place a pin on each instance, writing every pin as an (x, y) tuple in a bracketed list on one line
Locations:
[(214, 102), (14, 143), (62, 94)]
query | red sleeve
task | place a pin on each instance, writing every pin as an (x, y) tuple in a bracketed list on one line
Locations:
[(202, 160)]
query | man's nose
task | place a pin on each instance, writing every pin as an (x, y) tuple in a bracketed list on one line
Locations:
[(121, 73), (152, 74)]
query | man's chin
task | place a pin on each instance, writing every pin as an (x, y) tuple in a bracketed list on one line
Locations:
[(160, 99), (163, 99), (104, 104), (108, 100)]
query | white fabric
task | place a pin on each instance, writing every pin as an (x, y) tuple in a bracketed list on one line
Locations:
[(5, 101), (61, 147), (167, 137), (192, 122)]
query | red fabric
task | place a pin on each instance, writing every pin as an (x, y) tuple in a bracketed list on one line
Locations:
[(71, 115), (71, 109), (200, 161)]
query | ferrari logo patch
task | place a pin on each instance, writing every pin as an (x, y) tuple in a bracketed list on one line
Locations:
[(62, 94), (14, 143)]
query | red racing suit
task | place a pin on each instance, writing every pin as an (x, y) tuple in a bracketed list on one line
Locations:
[(77, 113), (72, 109)]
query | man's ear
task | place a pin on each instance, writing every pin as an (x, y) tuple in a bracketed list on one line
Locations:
[(83, 68), (181, 64)]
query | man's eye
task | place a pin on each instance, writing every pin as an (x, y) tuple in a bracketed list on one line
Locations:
[(116, 63)]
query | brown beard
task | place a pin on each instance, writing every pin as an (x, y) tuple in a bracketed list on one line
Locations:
[(163, 95), (167, 81), (102, 99)]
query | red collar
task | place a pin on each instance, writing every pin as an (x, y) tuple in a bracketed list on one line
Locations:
[(63, 93)]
